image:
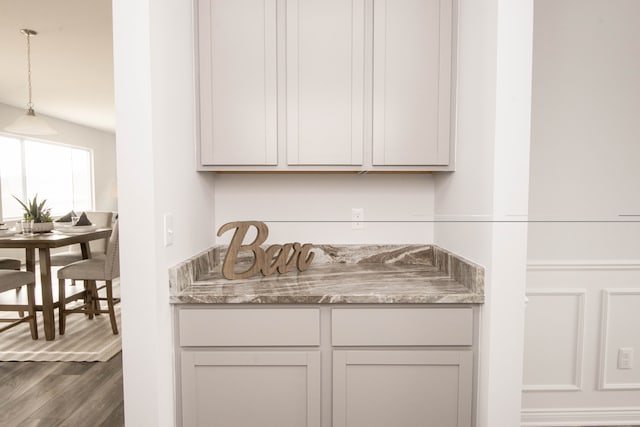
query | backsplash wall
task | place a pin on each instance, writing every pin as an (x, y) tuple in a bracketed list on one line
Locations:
[(317, 208)]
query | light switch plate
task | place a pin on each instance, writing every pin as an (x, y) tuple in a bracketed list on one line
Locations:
[(168, 229), (357, 218), (625, 358)]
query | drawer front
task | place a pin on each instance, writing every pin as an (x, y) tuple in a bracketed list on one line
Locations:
[(401, 326), (249, 327)]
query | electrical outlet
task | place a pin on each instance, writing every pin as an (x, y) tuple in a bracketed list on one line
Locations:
[(357, 218), (625, 358), (168, 229)]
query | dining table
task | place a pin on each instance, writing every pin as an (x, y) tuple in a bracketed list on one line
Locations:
[(44, 242)]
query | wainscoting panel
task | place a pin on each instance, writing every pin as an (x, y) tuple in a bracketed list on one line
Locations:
[(620, 329), (580, 312), (553, 347)]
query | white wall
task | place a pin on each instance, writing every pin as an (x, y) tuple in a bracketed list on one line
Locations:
[(156, 174), (586, 132), (317, 208), (102, 143), (479, 206), (584, 173)]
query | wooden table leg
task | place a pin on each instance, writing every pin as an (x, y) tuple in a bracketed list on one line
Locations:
[(86, 250), (30, 263), (47, 294), (30, 259)]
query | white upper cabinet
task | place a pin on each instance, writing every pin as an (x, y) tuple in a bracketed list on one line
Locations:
[(238, 84), (325, 82), (325, 85), (411, 82)]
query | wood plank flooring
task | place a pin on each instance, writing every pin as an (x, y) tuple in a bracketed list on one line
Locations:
[(52, 394), (69, 394)]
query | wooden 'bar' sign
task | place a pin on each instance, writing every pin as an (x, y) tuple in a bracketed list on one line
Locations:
[(278, 258)]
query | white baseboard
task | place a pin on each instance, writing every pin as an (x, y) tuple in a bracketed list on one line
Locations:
[(583, 264), (565, 417)]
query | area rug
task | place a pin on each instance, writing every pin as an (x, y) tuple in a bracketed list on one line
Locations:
[(84, 340)]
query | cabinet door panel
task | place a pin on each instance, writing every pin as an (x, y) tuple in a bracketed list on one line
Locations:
[(325, 82), (237, 64), (410, 388), (401, 326), (251, 388), (249, 327), (411, 82)]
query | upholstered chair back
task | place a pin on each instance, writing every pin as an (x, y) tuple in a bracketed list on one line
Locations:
[(102, 220), (112, 260)]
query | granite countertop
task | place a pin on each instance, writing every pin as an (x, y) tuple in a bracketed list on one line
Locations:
[(349, 274)]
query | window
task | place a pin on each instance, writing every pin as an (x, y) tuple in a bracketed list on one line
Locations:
[(61, 174)]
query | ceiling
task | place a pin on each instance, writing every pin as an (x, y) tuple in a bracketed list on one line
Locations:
[(71, 59)]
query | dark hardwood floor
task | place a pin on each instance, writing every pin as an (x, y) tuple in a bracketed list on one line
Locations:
[(53, 394)]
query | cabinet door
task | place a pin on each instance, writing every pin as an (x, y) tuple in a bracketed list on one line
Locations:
[(237, 82), (409, 388), (251, 388), (325, 82), (411, 82)]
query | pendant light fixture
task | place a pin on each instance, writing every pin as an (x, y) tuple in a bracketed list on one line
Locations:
[(29, 123)]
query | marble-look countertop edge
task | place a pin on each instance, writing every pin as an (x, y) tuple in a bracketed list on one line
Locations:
[(188, 287), (334, 300)]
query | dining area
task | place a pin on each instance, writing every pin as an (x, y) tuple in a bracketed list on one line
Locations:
[(68, 268)]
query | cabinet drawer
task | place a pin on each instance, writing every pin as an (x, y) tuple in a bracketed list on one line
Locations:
[(249, 327), (401, 326)]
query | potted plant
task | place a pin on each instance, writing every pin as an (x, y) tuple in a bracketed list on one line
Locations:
[(41, 216)]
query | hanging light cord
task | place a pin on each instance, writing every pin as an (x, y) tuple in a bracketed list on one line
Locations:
[(29, 123), (29, 33)]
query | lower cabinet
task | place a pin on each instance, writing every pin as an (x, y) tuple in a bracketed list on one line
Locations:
[(325, 366), (381, 388), (251, 388)]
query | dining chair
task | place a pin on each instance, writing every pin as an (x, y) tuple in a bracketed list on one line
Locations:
[(98, 247), (103, 269), (9, 264), (12, 264), (10, 280)]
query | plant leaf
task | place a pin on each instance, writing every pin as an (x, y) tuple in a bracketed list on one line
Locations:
[(22, 203)]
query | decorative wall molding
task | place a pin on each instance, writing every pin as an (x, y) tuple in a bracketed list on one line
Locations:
[(602, 416), (579, 349), (603, 382), (583, 264)]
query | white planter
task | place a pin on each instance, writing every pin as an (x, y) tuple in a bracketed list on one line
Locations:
[(42, 227)]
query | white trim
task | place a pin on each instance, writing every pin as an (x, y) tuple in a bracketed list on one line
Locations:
[(551, 387), (603, 384), (619, 386), (602, 416), (579, 349), (583, 264)]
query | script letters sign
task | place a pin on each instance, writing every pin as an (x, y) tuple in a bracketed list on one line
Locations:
[(280, 258)]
